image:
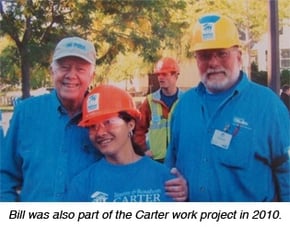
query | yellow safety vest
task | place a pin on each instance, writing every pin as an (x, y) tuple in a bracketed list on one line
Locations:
[(157, 133)]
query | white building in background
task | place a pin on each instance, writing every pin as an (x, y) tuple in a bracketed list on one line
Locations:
[(259, 51)]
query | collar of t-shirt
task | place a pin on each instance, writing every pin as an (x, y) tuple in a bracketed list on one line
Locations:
[(213, 100), (169, 100)]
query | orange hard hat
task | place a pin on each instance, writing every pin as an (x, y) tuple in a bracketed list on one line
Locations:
[(166, 65), (106, 101)]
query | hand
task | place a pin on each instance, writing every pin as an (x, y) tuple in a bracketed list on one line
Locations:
[(177, 187)]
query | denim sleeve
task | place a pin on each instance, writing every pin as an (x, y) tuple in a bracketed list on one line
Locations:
[(281, 151), (170, 158), (10, 163)]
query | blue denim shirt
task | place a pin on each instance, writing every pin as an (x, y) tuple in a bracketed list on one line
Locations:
[(43, 149), (237, 153)]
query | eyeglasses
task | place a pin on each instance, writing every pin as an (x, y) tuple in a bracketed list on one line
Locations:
[(107, 124), (206, 55)]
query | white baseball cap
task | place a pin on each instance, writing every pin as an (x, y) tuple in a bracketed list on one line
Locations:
[(75, 46)]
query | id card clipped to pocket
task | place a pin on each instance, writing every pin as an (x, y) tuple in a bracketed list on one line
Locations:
[(221, 139)]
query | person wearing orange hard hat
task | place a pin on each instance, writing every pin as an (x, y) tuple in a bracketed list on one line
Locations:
[(122, 175), (152, 130), (229, 136)]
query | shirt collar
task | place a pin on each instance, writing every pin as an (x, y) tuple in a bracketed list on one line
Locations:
[(61, 110)]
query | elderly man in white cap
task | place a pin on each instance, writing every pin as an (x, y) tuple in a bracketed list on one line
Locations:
[(44, 147)]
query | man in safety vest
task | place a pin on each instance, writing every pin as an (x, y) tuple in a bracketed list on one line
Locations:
[(152, 130)]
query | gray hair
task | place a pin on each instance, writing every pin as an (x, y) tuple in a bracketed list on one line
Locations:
[(54, 65)]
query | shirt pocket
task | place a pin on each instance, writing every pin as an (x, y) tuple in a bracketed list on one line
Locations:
[(240, 150)]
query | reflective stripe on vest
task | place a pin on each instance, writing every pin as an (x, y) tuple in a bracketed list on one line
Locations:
[(157, 133)]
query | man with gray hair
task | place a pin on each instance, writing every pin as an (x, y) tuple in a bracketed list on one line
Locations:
[(229, 136), (44, 148)]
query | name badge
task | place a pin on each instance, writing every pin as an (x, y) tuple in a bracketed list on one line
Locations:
[(221, 139)]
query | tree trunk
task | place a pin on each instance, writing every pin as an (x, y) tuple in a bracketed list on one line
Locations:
[(25, 72)]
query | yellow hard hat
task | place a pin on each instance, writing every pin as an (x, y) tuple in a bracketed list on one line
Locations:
[(214, 31)]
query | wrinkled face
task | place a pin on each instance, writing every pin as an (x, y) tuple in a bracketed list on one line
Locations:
[(111, 136), (219, 68), (72, 76), (167, 80)]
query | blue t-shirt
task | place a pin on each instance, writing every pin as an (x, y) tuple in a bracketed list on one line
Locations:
[(169, 100), (141, 181)]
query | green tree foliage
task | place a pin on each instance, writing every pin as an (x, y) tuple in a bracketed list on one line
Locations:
[(144, 28), (259, 77), (285, 77), (114, 26), (9, 66)]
